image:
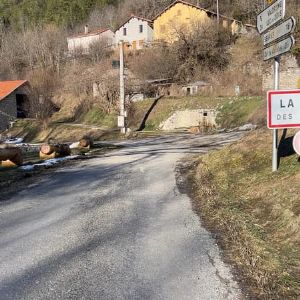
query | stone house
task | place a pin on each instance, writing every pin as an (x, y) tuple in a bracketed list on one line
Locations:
[(181, 15), (195, 88), (83, 41), (14, 101), (135, 33)]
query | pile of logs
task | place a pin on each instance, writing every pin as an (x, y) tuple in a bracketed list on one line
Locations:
[(54, 150), (49, 151), (10, 156)]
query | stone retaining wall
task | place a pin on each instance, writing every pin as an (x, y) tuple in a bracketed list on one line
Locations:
[(190, 118), (289, 74)]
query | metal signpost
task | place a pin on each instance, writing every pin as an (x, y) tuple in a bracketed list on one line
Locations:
[(277, 42)]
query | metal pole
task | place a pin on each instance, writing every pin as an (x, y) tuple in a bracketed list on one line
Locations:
[(275, 131), (218, 14), (122, 86)]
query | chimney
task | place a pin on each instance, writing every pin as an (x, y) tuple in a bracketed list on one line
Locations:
[(86, 29)]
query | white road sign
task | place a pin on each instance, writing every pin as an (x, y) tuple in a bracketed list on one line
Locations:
[(296, 143), (121, 121), (281, 30), (270, 16), (279, 48), (284, 109)]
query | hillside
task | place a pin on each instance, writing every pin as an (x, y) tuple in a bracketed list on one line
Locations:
[(60, 12), (23, 13)]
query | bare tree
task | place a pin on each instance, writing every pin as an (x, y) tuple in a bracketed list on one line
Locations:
[(100, 50), (44, 83)]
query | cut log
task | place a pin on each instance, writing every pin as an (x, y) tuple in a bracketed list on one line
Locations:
[(10, 156), (86, 142), (53, 151), (47, 149)]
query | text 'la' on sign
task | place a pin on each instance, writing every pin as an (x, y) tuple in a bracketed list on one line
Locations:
[(284, 109)]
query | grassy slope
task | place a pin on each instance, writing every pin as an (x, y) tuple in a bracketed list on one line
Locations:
[(167, 106), (33, 132), (96, 116), (239, 109), (256, 211)]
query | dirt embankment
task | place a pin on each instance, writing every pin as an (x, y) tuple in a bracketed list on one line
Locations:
[(254, 212)]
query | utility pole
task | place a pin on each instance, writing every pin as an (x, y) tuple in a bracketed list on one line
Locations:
[(218, 14), (122, 90)]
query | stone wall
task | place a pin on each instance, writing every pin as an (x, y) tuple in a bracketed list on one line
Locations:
[(190, 118), (289, 74), (8, 111)]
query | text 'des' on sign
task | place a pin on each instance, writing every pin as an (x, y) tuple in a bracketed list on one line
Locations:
[(279, 31), (279, 48), (270, 16), (284, 109)]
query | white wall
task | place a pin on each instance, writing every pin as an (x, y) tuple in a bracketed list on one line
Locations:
[(84, 41), (133, 32)]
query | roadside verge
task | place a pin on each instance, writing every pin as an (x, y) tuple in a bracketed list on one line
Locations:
[(255, 213)]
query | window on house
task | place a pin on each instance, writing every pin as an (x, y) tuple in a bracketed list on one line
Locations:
[(141, 28), (124, 31), (178, 12)]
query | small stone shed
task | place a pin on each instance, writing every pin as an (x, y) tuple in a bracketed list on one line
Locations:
[(14, 101), (195, 88)]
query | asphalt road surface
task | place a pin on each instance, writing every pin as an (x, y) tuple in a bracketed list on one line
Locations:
[(113, 227)]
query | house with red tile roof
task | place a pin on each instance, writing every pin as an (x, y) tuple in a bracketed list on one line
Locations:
[(136, 32), (14, 101), (83, 41)]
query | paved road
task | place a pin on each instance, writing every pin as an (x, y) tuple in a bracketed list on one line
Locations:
[(115, 227)]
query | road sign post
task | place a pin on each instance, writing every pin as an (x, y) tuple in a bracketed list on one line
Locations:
[(275, 131), (277, 42)]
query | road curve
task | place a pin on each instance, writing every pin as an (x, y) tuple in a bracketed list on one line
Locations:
[(114, 227)]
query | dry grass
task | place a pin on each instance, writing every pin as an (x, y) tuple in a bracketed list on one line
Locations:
[(32, 132), (256, 212), (168, 105)]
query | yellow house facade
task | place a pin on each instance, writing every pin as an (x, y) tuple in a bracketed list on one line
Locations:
[(182, 16)]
